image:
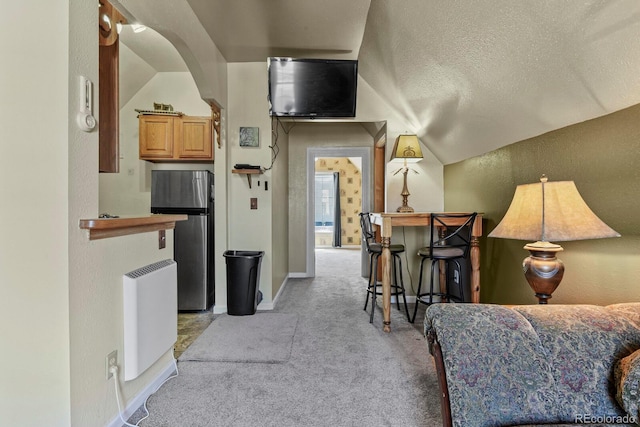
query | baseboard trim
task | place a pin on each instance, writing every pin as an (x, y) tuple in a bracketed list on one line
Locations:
[(282, 286), (265, 306), (135, 403), (299, 275)]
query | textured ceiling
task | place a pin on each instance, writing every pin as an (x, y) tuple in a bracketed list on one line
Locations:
[(474, 76), (468, 77), (252, 30)]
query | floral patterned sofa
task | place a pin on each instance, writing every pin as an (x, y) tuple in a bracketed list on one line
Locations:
[(536, 364)]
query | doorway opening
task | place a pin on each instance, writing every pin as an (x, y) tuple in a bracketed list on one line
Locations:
[(327, 227), (338, 201), (339, 188)]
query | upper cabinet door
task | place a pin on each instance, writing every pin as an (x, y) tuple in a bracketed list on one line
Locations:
[(194, 138), (156, 137)]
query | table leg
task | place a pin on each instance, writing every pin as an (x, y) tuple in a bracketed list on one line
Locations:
[(475, 270), (386, 284), (442, 270)]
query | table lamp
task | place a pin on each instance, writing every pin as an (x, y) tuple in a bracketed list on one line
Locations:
[(406, 149), (545, 212)]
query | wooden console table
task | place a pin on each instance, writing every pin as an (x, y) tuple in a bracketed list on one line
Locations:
[(386, 222)]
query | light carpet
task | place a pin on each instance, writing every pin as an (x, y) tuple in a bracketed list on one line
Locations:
[(342, 370), (259, 338)]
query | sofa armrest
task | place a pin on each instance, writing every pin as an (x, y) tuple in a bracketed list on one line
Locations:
[(493, 366), (436, 352)]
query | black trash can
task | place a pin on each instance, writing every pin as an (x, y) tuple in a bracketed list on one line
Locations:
[(243, 282)]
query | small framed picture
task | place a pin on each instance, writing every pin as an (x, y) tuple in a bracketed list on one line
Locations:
[(249, 137)]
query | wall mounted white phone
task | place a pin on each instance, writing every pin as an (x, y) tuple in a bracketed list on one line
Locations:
[(85, 119)]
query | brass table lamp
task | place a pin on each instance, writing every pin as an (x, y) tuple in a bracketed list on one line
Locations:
[(407, 149), (545, 212)]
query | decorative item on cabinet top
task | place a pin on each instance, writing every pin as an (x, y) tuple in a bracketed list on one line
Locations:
[(158, 112), (160, 108)]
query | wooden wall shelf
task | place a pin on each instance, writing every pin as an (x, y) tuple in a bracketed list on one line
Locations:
[(248, 172), (101, 228)]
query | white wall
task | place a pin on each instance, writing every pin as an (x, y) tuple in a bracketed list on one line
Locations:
[(134, 73), (280, 215), (96, 267), (249, 229), (61, 293), (34, 258), (427, 186)]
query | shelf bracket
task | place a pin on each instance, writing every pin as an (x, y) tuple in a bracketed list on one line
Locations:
[(247, 172), (215, 114)]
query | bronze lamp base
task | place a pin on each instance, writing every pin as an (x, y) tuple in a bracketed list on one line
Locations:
[(542, 269), (405, 194)]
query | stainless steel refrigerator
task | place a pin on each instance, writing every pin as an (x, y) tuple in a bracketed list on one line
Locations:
[(191, 193)]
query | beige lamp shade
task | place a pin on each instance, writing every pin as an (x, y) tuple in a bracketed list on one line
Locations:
[(407, 148), (550, 212)]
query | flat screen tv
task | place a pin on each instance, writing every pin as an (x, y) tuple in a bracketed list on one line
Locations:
[(319, 88)]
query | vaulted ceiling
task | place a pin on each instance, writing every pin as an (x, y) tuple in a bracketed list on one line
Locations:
[(467, 76)]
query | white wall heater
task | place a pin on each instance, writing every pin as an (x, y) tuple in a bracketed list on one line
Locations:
[(150, 296)]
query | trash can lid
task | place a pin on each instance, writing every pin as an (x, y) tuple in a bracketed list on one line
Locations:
[(243, 254)]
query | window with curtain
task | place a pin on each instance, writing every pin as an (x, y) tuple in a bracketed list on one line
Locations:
[(324, 200)]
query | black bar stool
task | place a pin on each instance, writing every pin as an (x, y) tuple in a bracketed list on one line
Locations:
[(375, 251), (448, 243)]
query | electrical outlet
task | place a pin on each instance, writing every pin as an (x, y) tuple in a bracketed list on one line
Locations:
[(112, 360)]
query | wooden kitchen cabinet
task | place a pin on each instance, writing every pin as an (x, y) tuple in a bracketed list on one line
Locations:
[(156, 137), (165, 138), (194, 139)]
